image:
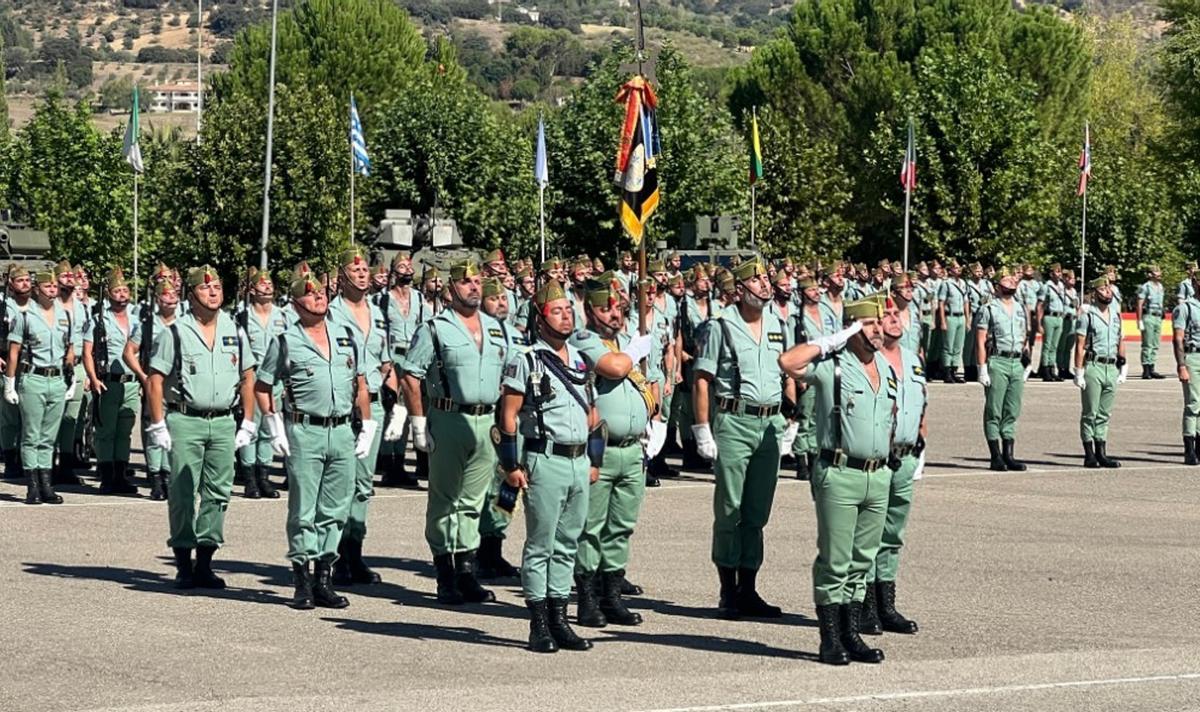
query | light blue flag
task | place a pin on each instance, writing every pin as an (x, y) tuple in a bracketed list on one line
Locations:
[(358, 143), (540, 171)]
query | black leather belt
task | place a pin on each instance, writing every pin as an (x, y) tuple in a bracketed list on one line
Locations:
[(47, 371), (373, 397), (741, 407), (1153, 313), (451, 407), (903, 450), (1191, 349), (624, 442), (197, 413), (840, 459), (955, 314), (399, 350), (1054, 313), (1008, 354), (546, 447), (115, 378), (319, 421), (1103, 360)]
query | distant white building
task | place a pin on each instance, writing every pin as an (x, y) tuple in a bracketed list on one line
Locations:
[(174, 97)]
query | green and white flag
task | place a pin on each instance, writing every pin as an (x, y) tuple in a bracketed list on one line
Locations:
[(132, 151)]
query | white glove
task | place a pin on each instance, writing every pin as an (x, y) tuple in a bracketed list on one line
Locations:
[(420, 433), (279, 441), (1123, 373), (246, 433), (159, 435), (705, 444), (985, 377), (1141, 326), (395, 427), (835, 342), (917, 473), (366, 438), (639, 347), (789, 438), (654, 438), (1080, 379), (1028, 371), (10, 391), (70, 393)]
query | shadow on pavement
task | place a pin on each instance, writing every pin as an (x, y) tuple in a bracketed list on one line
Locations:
[(669, 608), (417, 631), (705, 643), (151, 581)]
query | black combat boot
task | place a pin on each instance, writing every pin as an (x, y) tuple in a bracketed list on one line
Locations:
[(105, 470), (958, 377), (447, 592), (611, 603), (183, 568), (803, 467), (1189, 450), (869, 623), (33, 489), (829, 623), (858, 651), (1155, 374), (64, 471), (671, 444), (891, 619), (1146, 372), (587, 611), (727, 603), (1045, 374), (1102, 456), (422, 465), (120, 478), (691, 458), (323, 594), (629, 588), (749, 603), (1057, 377), (948, 375), (1089, 455), (246, 475), (302, 599), (560, 627), (651, 480), (158, 486), (350, 568), (1009, 462), (12, 467), (262, 475), (540, 640), (46, 485), (491, 561), (202, 573), (659, 468), (464, 579), (997, 462)]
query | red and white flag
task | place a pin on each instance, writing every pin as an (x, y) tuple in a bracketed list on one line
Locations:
[(1085, 161), (908, 168)]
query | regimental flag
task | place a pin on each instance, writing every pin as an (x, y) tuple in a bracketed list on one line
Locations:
[(358, 143), (756, 163), (541, 172), (1085, 161), (908, 168), (132, 150), (636, 171)]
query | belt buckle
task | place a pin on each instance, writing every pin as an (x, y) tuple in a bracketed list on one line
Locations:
[(839, 458), (871, 465)]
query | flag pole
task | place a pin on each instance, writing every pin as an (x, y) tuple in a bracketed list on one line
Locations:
[(1087, 140), (639, 41), (753, 185), (351, 145), (199, 67), (266, 211), (542, 218), (907, 209), (135, 232)]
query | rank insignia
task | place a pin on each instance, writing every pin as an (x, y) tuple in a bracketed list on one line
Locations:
[(496, 333), (775, 336), (343, 341), (229, 341)]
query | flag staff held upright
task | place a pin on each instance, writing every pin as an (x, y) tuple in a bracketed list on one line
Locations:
[(1085, 172), (360, 161), (908, 179), (133, 155), (541, 174), (756, 173)]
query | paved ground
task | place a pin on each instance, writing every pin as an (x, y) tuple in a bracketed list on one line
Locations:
[(1055, 588)]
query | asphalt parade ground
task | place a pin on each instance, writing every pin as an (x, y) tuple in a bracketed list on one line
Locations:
[(1056, 588)]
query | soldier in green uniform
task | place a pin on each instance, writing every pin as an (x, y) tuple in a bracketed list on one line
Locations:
[(1149, 316), (38, 380), (1099, 367), (200, 369), (64, 471), (1051, 307), (856, 419), (117, 388), (403, 311), (19, 287), (549, 399), (1002, 352), (1066, 345), (954, 313), (925, 294), (813, 320), (693, 317), (263, 322), (158, 465), (458, 356), (979, 293), (354, 311), (1186, 340), (1187, 288), (324, 376), (739, 381)]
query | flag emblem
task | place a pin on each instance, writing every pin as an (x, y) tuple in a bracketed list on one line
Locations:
[(132, 149), (908, 168), (1085, 161), (358, 143), (541, 172), (756, 162), (636, 172)]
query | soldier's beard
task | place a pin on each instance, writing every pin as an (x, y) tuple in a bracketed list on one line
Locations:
[(554, 333), (1104, 300), (752, 300), (1007, 291), (404, 279)]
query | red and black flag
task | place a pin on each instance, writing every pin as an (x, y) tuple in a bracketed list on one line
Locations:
[(637, 172)]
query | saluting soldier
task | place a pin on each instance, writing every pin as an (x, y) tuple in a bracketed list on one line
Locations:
[(1051, 307), (1149, 316), (201, 369), (117, 388), (262, 323), (1099, 367), (1001, 346), (458, 356), (72, 420), (161, 316), (38, 380), (954, 313), (324, 377), (739, 381), (1186, 340)]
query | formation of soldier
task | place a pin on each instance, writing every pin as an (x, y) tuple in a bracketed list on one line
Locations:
[(562, 388)]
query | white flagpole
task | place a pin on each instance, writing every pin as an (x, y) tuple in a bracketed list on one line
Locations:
[(1087, 140), (753, 201), (907, 209), (542, 217), (352, 189), (753, 194), (199, 66), (135, 232), (266, 216)]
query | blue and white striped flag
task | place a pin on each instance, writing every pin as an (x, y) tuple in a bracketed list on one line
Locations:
[(541, 172), (358, 144)]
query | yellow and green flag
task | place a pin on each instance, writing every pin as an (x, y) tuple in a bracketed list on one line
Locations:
[(756, 164)]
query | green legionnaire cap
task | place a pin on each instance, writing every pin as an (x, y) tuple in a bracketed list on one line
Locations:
[(431, 272), (922, 265), (656, 266), (462, 269), (869, 308), (45, 276), (1069, 273), (1098, 282), (672, 255), (806, 283), (601, 292), (748, 269), (162, 272), (597, 265), (727, 283), (699, 272), (496, 255), (782, 277), (1109, 268), (115, 279), (952, 264), (62, 268), (549, 292), (583, 263), (1002, 272), (164, 288), (735, 260), (402, 256), (302, 284), (1056, 267), (301, 268), (379, 269), (353, 255), (260, 277), (550, 265), (1191, 265), (898, 268), (524, 272), (493, 287), (677, 280), (902, 280), (202, 275)]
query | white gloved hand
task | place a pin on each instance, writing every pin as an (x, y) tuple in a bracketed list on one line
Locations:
[(639, 347), (420, 433), (1028, 372), (395, 428), (70, 393), (10, 391), (788, 438), (917, 473), (159, 435), (654, 438), (985, 378), (246, 433), (366, 438), (834, 342), (1141, 326), (1080, 379), (1123, 374), (279, 441), (706, 446)]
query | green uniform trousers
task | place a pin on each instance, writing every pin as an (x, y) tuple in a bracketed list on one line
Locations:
[(851, 512), (259, 451), (614, 502), (364, 482), (320, 488), (681, 405), (927, 335), (41, 409), (952, 344), (461, 467), (1191, 395), (1066, 345), (806, 422), (1052, 334), (1151, 336), (1002, 399), (72, 422), (1097, 400), (10, 425), (201, 462), (899, 504), (118, 410), (746, 470), (556, 508)]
